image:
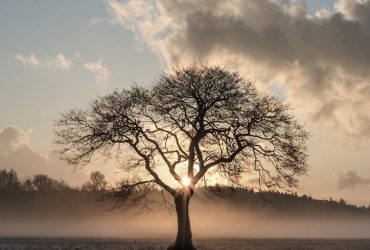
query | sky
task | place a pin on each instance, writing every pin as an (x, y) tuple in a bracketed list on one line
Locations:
[(314, 54)]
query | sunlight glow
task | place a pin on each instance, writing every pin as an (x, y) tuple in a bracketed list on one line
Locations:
[(185, 181)]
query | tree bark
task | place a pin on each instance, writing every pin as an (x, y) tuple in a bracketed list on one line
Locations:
[(184, 236)]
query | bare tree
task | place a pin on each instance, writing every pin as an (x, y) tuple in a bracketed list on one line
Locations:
[(9, 181), (197, 119), (44, 183), (97, 183), (27, 185)]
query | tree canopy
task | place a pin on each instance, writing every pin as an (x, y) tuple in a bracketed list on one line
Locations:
[(199, 118), (96, 183)]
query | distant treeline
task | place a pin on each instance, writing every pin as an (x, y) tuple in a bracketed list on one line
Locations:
[(284, 201), (10, 182), (97, 183)]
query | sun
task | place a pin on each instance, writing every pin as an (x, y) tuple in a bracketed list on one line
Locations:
[(185, 181)]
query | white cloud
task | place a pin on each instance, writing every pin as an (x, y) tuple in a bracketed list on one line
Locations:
[(78, 56), (12, 138), (32, 59), (99, 71), (58, 62), (16, 152), (322, 61)]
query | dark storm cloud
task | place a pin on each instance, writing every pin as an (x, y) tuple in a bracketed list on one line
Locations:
[(321, 59), (351, 179), (266, 32)]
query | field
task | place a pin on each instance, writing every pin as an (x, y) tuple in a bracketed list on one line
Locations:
[(105, 244)]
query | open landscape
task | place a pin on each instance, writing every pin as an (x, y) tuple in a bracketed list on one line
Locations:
[(185, 124), (224, 218)]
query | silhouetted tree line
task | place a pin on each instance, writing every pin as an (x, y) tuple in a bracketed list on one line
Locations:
[(10, 182), (273, 197)]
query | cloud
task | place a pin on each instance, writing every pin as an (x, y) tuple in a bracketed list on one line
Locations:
[(321, 60), (12, 138), (32, 59), (99, 71), (58, 62), (350, 179), (16, 153), (78, 56)]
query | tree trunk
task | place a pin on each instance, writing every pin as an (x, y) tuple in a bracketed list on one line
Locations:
[(183, 239)]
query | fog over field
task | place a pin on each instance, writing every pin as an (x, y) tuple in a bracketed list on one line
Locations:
[(242, 215)]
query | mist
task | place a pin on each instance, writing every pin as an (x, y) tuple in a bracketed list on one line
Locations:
[(77, 214)]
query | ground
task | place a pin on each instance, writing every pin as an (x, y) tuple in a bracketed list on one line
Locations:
[(260, 244)]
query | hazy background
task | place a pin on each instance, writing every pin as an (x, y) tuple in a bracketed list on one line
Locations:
[(242, 215), (315, 54)]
